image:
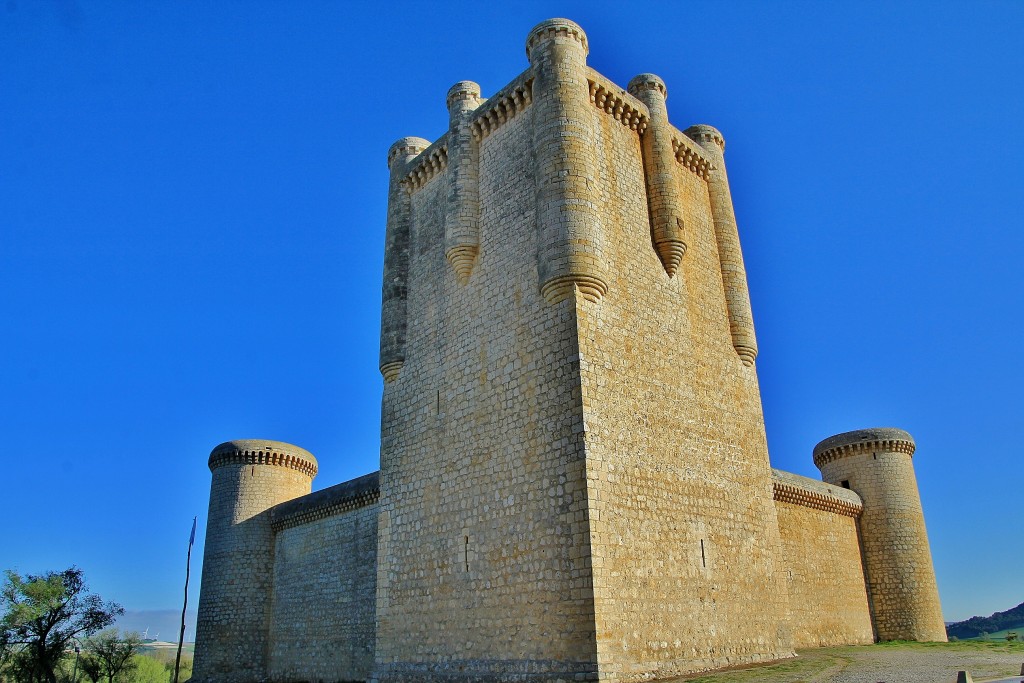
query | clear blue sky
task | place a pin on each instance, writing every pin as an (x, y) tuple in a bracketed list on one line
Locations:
[(192, 204)]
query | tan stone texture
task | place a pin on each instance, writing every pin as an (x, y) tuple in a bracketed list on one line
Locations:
[(828, 601), (482, 481), (682, 517), (574, 478), (325, 576)]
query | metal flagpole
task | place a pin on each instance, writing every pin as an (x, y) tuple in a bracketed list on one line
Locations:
[(188, 567)]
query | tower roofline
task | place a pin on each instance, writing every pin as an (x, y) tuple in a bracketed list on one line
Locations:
[(263, 452), (552, 27), (407, 146), (861, 440), (463, 90), (647, 81)]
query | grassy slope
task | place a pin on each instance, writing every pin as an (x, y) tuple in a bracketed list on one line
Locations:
[(819, 664)]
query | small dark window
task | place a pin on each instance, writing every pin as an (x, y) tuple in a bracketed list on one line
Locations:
[(846, 483)]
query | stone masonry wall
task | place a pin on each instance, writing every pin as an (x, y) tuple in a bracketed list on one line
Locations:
[(684, 528), (484, 512), (325, 576), (821, 559), (828, 601)]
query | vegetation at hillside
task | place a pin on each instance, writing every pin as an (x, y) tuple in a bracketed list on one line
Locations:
[(42, 619), (52, 630), (109, 656), (976, 626)]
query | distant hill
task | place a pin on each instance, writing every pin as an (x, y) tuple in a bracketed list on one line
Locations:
[(1000, 621)]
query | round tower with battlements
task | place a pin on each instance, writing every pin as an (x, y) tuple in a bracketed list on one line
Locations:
[(570, 233), (394, 293), (462, 229), (250, 476), (877, 465), (659, 158)]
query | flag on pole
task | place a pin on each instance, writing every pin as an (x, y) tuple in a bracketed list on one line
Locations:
[(184, 606)]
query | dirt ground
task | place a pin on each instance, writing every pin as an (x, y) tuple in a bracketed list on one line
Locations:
[(884, 663)]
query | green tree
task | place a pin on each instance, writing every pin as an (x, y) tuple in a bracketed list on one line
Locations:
[(115, 654), (91, 667), (42, 616)]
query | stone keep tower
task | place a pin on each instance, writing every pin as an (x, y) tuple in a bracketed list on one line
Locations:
[(574, 476), (876, 464), (250, 476), (574, 471)]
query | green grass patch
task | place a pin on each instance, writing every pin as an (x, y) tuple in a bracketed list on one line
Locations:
[(973, 644), (816, 664)]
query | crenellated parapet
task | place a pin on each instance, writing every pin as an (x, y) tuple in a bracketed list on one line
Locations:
[(262, 452), (844, 445), (463, 98), (691, 157), (706, 136), (797, 490), (556, 30), (335, 500), (429, 163), (615, 102), (506, 104), (405, 149)]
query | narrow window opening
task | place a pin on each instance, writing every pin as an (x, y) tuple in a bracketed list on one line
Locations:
[(703, 559), (874, 456), (253, 472), (438, 401), (466, 553), (846, 483)]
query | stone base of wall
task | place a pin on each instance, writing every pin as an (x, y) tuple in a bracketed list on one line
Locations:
[(488, 671)]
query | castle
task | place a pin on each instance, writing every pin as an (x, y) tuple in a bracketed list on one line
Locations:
[(574, 481)]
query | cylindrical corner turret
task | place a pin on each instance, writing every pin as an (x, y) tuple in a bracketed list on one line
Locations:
[(734, 275), (570, 251), (663, 197), (877, 465), (404, 150), (461, 228), (557, 30), (396, 258), (250, 476), (463, 98)]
